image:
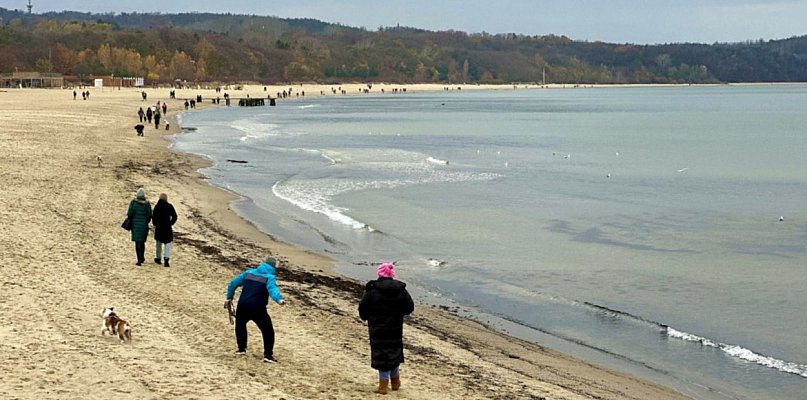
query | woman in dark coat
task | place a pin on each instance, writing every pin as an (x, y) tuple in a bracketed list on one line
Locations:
[(163, 218), (140, 214), (383, 306)]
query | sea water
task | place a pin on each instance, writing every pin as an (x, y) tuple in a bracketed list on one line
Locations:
[(660, 231)]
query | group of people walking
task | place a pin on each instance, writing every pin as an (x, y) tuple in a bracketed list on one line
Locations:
[(153, 114), (163, 216), (383, 306)]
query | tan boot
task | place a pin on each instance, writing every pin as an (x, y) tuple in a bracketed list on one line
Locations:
[(382, 387), (395, 382)]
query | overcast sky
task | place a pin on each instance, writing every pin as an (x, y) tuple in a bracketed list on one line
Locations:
[(620, 21)]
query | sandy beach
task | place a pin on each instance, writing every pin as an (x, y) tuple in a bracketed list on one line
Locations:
[(66, 258)]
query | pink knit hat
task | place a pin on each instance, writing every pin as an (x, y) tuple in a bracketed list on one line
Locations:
[(386, 270)]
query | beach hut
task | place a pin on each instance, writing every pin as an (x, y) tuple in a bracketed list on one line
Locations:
[(31, 80)]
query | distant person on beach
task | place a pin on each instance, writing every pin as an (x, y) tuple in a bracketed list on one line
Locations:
[(165, 108), (141, 114), (384, 304), (156, 120), (258, 285), (140, 214), (187, 104), (139, 129), (149, 114), (163, 217), (74, 95)]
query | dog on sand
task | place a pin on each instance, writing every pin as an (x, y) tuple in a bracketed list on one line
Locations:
[(115, 325)]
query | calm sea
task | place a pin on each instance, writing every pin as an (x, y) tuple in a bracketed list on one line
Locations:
[(660, 231)]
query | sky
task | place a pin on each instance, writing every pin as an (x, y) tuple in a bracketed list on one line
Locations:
[(616, 21)]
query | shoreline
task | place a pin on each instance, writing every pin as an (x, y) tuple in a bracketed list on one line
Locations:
[(213, 243), (471, 315)]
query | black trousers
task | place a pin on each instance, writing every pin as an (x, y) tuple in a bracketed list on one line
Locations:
[(264, 322), (140, 249)]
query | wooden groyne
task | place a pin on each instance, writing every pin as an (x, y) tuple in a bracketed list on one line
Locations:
[(249, 102)]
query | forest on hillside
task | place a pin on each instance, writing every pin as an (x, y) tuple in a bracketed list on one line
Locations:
[(225, 47)]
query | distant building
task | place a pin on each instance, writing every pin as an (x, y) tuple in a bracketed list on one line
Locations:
[(31, 80), (116, 81)]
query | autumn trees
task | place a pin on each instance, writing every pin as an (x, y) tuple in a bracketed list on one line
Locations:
[(210, 47)]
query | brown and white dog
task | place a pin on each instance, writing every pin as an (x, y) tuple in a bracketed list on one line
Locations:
[(114, 325)]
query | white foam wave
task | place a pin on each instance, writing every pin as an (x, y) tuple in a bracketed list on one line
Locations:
[(307, 106), (742, 353), (333, 158), (437, 161), (317, 204), (391, 169), (254, 130)]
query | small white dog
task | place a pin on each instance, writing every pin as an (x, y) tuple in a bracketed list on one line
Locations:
[(114, 325)]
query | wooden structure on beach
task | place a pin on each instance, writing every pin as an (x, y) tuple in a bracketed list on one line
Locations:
[(248, 102), (31, 80)]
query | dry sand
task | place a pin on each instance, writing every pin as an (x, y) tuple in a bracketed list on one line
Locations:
[(65, 258)]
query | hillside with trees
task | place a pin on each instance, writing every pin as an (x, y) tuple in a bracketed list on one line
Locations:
[(226, 47)]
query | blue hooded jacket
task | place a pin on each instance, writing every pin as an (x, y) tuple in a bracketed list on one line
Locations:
[(258, 285)]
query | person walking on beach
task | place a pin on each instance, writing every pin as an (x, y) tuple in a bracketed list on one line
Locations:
[(258, 285), (140, 214), (149, 114), (163, 217), (165, 108), (157, 119), (384, 304), (141, 114)]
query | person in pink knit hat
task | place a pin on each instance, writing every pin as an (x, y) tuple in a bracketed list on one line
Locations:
[(384, 304)]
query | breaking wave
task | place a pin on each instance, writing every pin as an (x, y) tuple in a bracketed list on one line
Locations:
[(391, 169), (741, 353), (730, 349), (254, 130)]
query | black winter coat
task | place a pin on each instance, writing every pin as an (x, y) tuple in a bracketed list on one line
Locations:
[(383, 306), (163, 217)]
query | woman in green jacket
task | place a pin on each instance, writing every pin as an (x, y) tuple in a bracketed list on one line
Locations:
[(140, 214)]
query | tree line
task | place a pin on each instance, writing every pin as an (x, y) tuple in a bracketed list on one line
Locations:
[(228, 47)]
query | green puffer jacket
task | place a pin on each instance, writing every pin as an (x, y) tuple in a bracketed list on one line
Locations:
[(140, 213)]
